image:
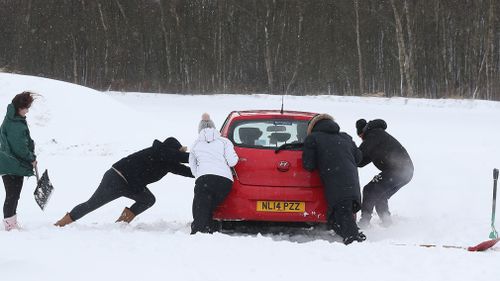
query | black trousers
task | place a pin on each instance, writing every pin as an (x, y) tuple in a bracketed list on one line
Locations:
[(209, 192), (112, 187), (13, 185), (377, 192), (342, 218)]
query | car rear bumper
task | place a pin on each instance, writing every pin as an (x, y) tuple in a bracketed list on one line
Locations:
[(241, 204)]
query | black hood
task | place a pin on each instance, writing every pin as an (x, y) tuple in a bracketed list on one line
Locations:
[(170, 142), (376, 124), (173, 143)]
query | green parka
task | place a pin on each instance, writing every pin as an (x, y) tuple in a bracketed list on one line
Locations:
[(16, 146)]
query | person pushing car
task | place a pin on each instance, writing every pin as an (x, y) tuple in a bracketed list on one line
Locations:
[(335, 155), (210, 160), (129, 178), (394, 162)]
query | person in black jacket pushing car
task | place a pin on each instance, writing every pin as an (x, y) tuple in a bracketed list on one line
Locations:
[(336, 156), (394, 162), (129, 178)]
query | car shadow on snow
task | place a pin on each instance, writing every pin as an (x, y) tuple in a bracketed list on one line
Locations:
[(164, 226), (293, 232)]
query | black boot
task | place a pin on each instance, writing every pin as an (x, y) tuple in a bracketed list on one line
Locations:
[(360, 237)]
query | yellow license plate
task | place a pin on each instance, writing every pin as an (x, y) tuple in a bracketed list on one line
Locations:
[(281, 206)]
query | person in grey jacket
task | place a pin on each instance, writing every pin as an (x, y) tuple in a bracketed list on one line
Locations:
[(210, 160)]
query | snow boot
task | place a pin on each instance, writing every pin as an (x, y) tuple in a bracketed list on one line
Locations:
[(360, 237), (11, 223), (64, 221), (126, 216)]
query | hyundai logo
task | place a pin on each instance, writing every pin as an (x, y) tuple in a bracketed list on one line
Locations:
[(283, 166)]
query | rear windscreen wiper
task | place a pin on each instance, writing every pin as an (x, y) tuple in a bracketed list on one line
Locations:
[(289, 146)]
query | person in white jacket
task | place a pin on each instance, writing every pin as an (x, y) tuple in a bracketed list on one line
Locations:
[(210, 160)]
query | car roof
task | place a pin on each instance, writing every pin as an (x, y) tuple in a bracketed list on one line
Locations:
[(273, 113), (264, 114)]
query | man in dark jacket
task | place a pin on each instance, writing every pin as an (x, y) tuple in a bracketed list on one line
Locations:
[(130, 176), (335, 155), (394, 162)]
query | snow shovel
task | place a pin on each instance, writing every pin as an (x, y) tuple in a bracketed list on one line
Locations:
[(43, 189), (494, 233)]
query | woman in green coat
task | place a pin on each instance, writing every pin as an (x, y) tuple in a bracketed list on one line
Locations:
[(17, 157)]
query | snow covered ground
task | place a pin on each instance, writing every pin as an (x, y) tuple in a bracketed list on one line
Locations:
[(80, 132)]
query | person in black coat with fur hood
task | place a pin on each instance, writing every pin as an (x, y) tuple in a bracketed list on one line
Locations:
[(335, 155), (394, 162), (129, 178)]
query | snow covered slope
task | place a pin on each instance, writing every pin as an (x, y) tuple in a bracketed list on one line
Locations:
[(80, 132)]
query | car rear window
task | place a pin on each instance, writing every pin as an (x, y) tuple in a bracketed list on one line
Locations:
[(268, 133)]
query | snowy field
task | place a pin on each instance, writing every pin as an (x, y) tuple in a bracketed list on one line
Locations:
[(80, 132)]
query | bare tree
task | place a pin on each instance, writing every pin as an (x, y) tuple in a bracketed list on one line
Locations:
[(394, 48), (358, 45), (403, 57)]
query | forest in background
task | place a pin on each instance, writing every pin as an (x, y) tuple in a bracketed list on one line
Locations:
[(427, 48)]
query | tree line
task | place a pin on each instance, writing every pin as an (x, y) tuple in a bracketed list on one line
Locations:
[(427, 48)]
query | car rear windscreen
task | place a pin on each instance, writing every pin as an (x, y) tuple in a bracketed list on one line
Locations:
[(270, 133)]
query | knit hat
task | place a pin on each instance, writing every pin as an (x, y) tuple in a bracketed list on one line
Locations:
[(205, 122), (360, 126)]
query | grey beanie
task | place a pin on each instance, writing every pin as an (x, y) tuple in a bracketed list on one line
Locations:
[(205, 122)]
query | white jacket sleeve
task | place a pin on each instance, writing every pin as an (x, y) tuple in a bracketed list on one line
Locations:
[(229, 153), (193, 163)]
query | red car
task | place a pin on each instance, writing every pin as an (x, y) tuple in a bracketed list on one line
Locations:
[(270, 182)]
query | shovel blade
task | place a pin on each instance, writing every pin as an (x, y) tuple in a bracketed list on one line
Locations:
[(483, 246), (43, 190)]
